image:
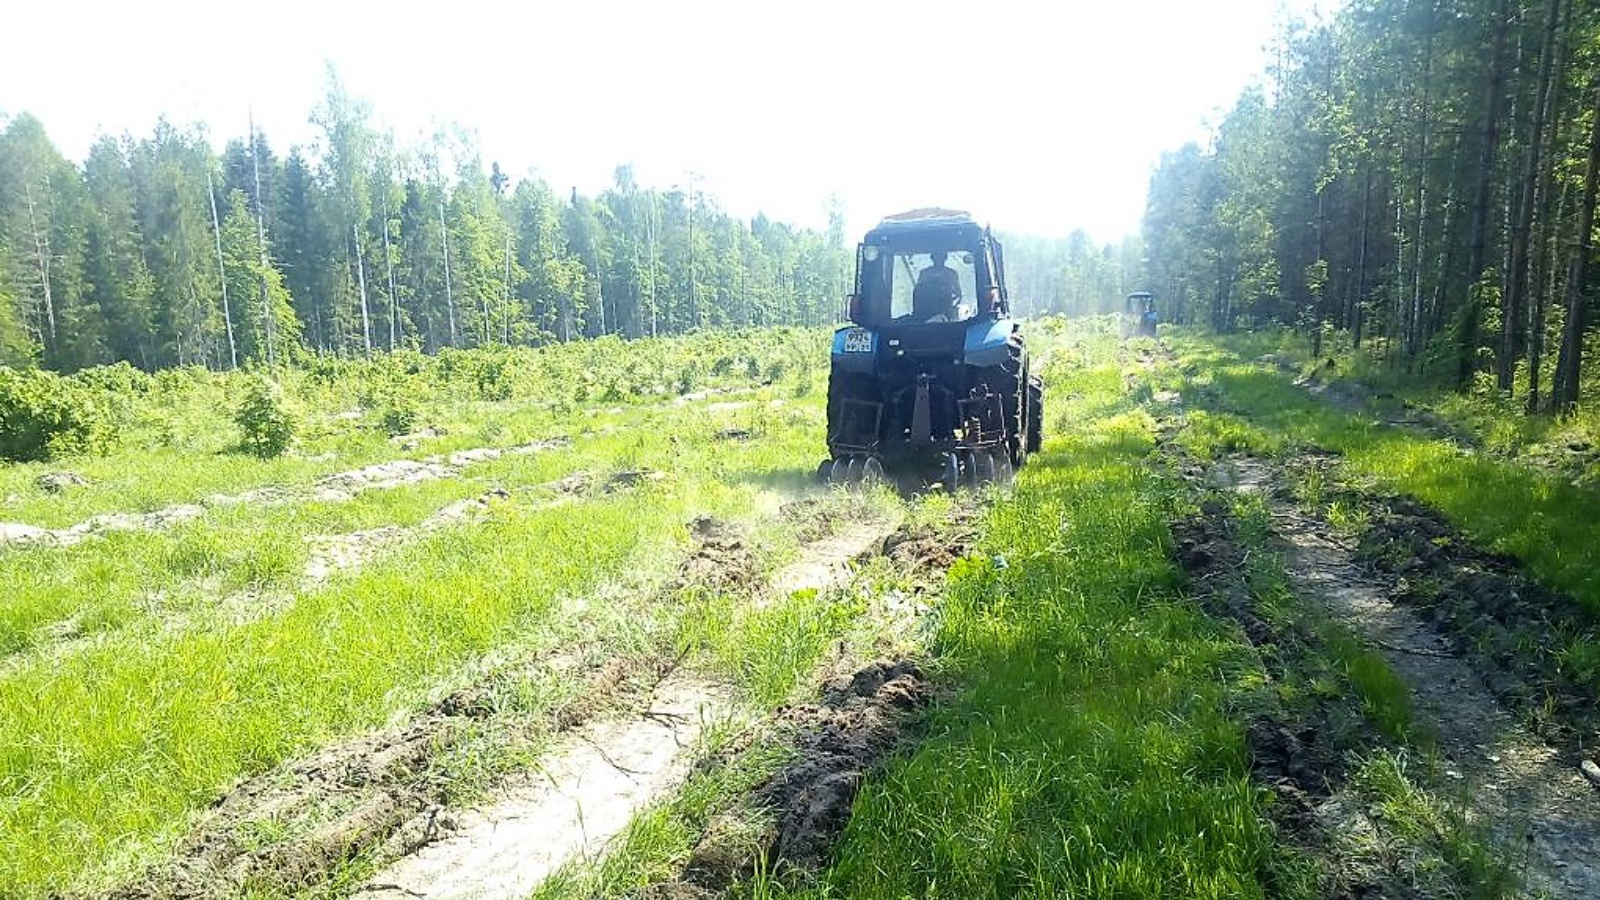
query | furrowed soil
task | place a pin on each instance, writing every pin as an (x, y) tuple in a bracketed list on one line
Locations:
[(1190, 653), (384, 802), (1475, 646)]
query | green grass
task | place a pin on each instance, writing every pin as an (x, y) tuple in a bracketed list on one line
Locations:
[(106, 754), (1451, 851), (1087, 751), (1335, 660), (1091, 742), (178, 442), (1542, 519)]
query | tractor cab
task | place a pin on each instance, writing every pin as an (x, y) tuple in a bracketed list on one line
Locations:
[(928, 267), (1140, 316)]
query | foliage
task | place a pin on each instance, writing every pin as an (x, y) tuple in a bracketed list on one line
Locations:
[(264, 418), (44, 415), (1413, 175)]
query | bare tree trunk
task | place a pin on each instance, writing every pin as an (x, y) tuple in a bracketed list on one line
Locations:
[(1548, 221), (1447, 248), (651, 233), (1414, 320), (43, 256), (1517, 271), (222, 274), (361, 282), (505, 296), (261, 242), (449, 293), (1480, 204), (1564, 393), (388, 263), (1357, 317)]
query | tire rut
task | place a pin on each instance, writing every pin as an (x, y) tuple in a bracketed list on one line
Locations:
[(1519, 787)]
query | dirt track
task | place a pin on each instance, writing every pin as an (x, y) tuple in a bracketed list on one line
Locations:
[(1520, 787), (332, 488), (598, 772)]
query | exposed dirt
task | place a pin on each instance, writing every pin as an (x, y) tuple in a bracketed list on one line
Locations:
[(697, 396), (1518, 786), (339, 487), (382, 793), (1357, 397), (340, 552), (288, 829), (392, 474), (57, 482), (927, 551), (721, 561), (826, 561), (17, 534), (631, 478), (584, 793), (862, 718), (790, 823), (1299, 754), (1486, 609)]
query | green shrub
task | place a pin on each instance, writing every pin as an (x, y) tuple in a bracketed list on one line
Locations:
[(43, 414), (119, 378), (398, 414), (264, 418)]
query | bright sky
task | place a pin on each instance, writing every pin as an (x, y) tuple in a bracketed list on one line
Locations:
[(1041, 116)]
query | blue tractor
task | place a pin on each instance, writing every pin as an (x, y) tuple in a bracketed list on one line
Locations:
[(931, 381)]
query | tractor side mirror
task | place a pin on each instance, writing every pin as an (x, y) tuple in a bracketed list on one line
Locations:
[(991, 300)]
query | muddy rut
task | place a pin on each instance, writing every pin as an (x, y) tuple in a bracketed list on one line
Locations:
[(588, 789), (1528, 794), (575, 801)]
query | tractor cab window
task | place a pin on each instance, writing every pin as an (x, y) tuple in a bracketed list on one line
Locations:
[(931, 287)]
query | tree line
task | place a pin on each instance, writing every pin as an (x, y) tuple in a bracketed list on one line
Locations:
[(1417, 173), (160, 252)]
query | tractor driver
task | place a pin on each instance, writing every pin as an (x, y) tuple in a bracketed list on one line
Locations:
[(938, 290)]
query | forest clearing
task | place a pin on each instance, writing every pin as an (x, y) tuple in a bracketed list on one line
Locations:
[(1239, 629), (598, 505)]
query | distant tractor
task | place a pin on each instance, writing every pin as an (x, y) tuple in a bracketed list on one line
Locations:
[(1141, 314), (931, 382)]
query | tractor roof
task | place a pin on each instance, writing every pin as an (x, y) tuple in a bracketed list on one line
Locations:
[(921, 223)]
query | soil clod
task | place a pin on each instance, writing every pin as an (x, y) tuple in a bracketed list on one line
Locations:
[(861, 719), (56, 482)]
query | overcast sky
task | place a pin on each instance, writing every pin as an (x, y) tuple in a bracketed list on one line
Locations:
[(1039, 116)]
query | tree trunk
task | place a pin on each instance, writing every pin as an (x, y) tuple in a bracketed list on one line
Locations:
[(261, 242), (388, 264), (1517, 270), (1447, 249), (42, 255), (449, 294), (1357, 317), (1564, 393), (1547, 267), (1480, 203), (222, 274), (361, 284), (1414, 318)]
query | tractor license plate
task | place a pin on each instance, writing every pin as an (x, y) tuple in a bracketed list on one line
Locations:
[(858, 341)]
